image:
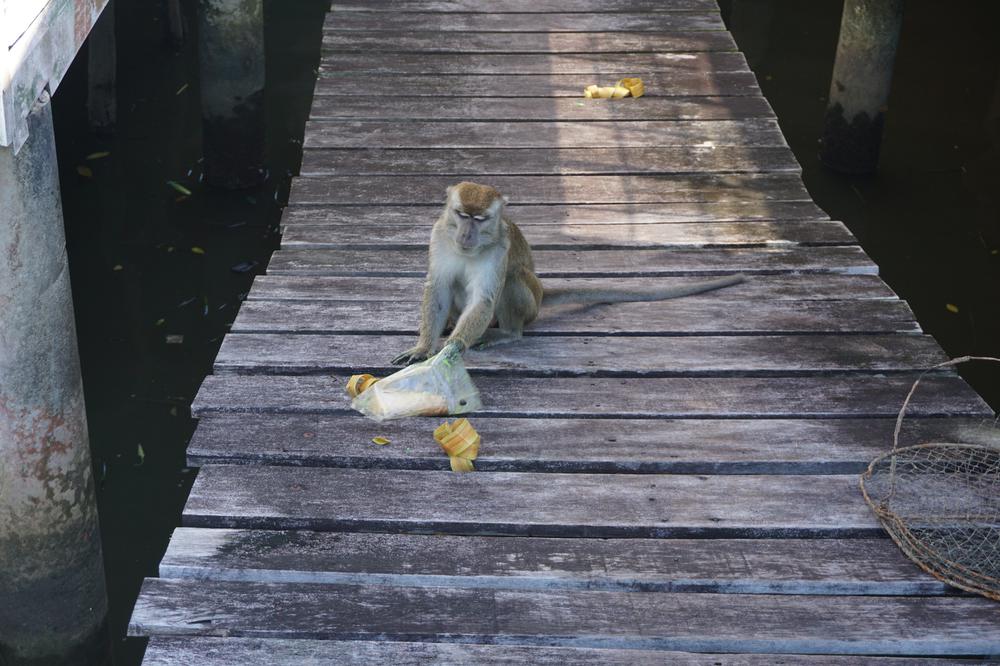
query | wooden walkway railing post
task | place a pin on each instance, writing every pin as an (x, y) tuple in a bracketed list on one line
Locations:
[(52, 597), (231, 55), (862, 77)]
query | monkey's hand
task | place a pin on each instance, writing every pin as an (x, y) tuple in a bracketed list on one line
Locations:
[(413, 355)]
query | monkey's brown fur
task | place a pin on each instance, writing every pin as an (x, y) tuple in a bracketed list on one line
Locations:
[(481, 271)]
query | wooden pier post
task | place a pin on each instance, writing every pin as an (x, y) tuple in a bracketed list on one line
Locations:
[(859, 92), (52, 584), (231, 54), (102, 63), (175, 23)]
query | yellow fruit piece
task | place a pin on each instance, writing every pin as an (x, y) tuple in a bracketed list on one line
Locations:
[(86, 172), (460, 441), (461, 465), (951, 307), (381, 441), (634, 85), (358, 384)]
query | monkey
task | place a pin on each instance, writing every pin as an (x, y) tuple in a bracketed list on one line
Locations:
[(481, 270)]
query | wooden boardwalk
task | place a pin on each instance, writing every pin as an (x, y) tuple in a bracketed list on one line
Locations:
[(659, 482)]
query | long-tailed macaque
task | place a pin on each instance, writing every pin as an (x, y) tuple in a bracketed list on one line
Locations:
[(481, 271)]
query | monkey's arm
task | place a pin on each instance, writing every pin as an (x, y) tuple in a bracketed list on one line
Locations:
[(481, 307), (434, 316)]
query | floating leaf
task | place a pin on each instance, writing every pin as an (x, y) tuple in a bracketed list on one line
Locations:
[(197, 250), (118, 267), (951, 307), (179, 188), (99, 155), (84, 171), (181, 89), (174, 339), (381, 441), (161, 322), (141, 453)]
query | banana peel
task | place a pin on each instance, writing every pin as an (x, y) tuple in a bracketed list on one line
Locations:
[(460, 441), (358, 384), (625, 88)]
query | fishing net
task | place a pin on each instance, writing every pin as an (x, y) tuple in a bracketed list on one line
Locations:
[(940, 503)]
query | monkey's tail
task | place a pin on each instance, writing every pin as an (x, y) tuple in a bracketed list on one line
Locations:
[(598, 295)]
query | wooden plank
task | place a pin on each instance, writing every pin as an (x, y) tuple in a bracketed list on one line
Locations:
[(724, 315), (583, 64), (410, 289), (407, 21), (721, 566), (578, 356), (695, 188), (528, 42), (653, 506), (537, 108), (594, 445), (525, 216), (587, 236), (592, 263), (552, 161), (666, 621), (638, 134), (210, 651), (598, 134), (529, 6), (658, 84), (637, 398)]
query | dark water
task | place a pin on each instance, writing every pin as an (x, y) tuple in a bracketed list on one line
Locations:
[(137, 281), (930, 218)]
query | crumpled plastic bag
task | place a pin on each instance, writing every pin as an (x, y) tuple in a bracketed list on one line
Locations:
[(436, 387)]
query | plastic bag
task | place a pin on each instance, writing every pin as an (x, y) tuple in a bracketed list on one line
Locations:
[(436, 387)]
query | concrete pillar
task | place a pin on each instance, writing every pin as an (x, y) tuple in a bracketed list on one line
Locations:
[(231, 55), (862, 76), (175, 23), (52, 597), (102, 64)]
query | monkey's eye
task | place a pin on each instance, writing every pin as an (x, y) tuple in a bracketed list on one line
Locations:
[(462, 215), (478, 218)]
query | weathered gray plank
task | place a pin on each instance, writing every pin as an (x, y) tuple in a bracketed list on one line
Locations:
[(611, 356), (552, 161), (406, 21), (586, 236), (830, 286), (525, 216), (745, 566), (504, 64), (640, 398), (536, 108), (616, 134), (593, 263), (528, 42), (209, 651), (658, 84), (430, 189), (597, 445), (726, 314), (513, 503), (529, 6)]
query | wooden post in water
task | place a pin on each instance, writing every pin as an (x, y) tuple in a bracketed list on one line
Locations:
[(175, 22), (862, 75), (52, 596), (231, 55), (102, 63)]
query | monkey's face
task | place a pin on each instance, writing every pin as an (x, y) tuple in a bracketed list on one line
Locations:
[(473, 214)]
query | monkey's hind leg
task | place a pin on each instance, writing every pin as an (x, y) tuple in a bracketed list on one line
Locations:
[(516, 306)]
